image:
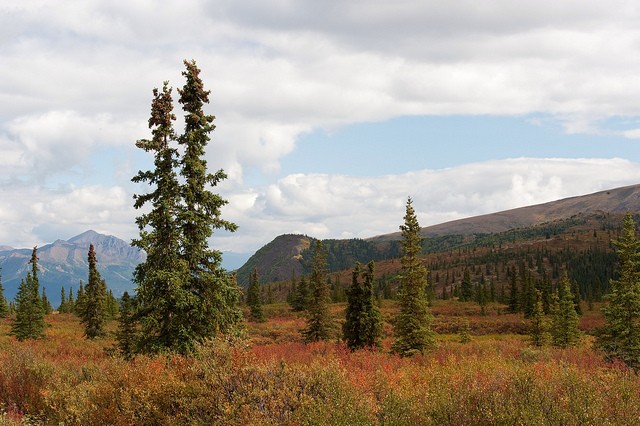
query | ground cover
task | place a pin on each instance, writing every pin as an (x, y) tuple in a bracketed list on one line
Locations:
[(273, 378)]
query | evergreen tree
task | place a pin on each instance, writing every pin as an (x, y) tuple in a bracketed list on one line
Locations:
[(464, 331), (338, 294), (302, 298), (620, 336), (528, 302), (514, 302), (413, 332), (466, 288), (270, 295), (71, 303), (184, 296), (162, 287), (79, 305), (254, 298), (4, 307), (46, 305), (112, 304), (63, 301), (318, 320), (564, 322), (29, 322), (539, 330), (126, 334), (215, 298), (363, 325), (576, 297), (94, 309)]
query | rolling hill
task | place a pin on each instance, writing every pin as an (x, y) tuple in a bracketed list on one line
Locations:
[(600, 209)]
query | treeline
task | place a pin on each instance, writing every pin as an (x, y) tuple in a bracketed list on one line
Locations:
[(363, 322), (343, 254), (94, 303)]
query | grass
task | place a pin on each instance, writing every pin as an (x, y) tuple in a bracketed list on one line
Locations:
[(273, 378)]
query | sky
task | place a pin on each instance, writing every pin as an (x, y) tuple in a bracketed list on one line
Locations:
[(329, 114)]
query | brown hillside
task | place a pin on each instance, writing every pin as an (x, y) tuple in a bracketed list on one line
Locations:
[(617, 200)]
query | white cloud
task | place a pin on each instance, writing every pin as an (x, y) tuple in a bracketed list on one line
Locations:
[(76, 79), (327, 206), (278, 70), (33, 215), (322, 206), (632, 134), (57, 141)]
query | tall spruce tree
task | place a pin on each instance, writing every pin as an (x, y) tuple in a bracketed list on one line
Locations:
[(71, 303), (539, 329), (29, 322), (213, 305), (564, 319), (619, 338), (161, 280), (94, 312), (113, 306), (318, 321), (79, 305), (126, 334), (412, 327), (183, 294), (46, 305), (62, 309), (466, 288), (254, 298), (363, 325), (302, 297)]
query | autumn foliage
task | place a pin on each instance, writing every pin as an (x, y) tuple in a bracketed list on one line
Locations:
[(273, 377)]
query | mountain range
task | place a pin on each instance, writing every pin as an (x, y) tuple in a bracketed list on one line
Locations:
[(64, 264)]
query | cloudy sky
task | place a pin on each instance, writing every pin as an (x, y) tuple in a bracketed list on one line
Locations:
[(329, 114)]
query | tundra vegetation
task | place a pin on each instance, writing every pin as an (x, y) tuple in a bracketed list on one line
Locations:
[(505, 341)]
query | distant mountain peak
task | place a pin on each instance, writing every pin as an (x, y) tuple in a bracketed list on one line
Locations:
[(87, 237), (64, 263)]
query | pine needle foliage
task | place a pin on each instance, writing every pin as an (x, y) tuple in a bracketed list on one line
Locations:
[(214, 303), (183, 295), (412, 327), (79, 305), (363, 325), (466, 288), (564, 318), (301, 299), (62, 308), (254, 298), (539, 329), (161, 292), (94, 311), (319, 323), (29, 322), (126, 334), (620, 337)]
